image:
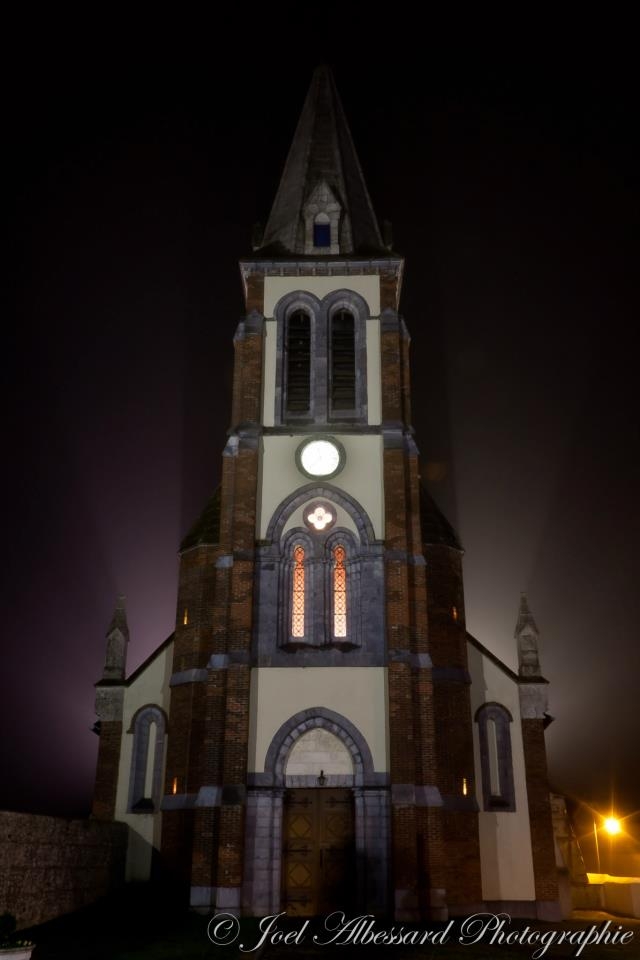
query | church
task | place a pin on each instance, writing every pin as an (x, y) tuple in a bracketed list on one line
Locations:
[(320, 731)]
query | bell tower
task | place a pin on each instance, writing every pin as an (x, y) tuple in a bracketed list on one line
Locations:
[(319, 744)]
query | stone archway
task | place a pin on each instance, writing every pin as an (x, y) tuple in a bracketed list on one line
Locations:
[(265, 804)]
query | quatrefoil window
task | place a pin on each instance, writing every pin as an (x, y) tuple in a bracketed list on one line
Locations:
[(319, 516)]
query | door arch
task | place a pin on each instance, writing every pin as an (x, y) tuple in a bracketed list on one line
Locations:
[(262, 892)]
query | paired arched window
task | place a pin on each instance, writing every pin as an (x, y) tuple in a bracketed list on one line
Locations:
[(321, 593), (323, 358), (495, 757), (149, 727)]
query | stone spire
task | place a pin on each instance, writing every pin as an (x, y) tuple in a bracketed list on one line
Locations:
[(526, 636), (117, 640), (322, 206)]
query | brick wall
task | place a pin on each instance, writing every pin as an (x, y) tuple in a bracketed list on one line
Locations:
[(106, 785), (542, 846), (51, 866)]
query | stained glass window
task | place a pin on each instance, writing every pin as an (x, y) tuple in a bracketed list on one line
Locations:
[(339, 592), (297, 607)]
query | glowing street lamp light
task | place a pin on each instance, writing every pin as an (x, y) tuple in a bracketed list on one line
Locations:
[(610, 825)]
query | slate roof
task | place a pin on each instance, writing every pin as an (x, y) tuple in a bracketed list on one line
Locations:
[(206, 529), (434, 525), (322, 151)]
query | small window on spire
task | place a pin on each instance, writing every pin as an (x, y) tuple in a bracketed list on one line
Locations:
[(322, 231)]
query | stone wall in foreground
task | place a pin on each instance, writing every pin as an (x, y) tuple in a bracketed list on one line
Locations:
[(50, 866)]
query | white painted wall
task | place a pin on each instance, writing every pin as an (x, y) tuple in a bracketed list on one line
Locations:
[(150, 687), (505, 839), (374, 383), (361, 477), (269, 367), (357, 693)]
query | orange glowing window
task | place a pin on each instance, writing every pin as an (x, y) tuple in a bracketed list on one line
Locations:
[(185, 617), (174, 786), (339, 593), (465, 787), (454, 613), (297, 607)]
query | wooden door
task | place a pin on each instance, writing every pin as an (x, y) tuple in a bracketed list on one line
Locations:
[(318, 856)]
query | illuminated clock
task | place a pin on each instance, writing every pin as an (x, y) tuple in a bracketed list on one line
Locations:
[(320, 457)]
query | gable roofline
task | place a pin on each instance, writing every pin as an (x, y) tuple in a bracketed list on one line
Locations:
[(141, 668), (498, 662)]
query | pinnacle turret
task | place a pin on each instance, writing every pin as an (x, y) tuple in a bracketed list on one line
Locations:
[(117, 640), (526, 636)]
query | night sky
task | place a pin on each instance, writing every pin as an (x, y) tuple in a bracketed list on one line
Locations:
[(136, 174)]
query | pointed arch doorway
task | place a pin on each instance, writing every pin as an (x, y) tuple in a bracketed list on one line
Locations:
[(341, 852)]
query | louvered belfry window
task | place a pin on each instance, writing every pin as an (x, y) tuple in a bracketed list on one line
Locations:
[(299, 362), (343, 362)]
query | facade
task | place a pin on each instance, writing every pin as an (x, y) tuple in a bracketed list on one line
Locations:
[(321, 731)]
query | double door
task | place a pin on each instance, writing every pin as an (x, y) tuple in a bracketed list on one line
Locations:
[(318, 854)]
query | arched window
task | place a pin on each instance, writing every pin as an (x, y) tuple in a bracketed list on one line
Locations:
[(339, 587), (297, 593), (343, 570), (321, 357), (343, 363), (147, 758), (495, 757), (297, 620), (298, 347)]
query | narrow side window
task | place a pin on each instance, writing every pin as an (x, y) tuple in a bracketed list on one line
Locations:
[(498, 790)]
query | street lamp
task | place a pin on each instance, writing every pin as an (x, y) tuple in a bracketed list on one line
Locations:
[(612, 826)]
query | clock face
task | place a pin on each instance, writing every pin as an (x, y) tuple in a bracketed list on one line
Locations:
[(321, 457)]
